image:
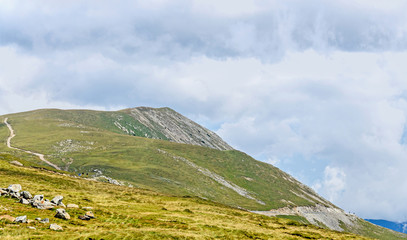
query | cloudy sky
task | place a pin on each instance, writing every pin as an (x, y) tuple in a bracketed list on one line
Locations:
[(317, 88)]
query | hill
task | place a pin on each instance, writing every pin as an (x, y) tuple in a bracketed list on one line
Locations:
[(396, 226), (160, 150), (131, 213)]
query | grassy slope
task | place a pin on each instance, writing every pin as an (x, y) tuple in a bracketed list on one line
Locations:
[(127, 213), (137, 160)]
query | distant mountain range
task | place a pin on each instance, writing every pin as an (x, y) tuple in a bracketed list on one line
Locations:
[(399, 227)]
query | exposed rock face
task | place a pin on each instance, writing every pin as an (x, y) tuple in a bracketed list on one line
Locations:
[(177, 128), (329, 216)]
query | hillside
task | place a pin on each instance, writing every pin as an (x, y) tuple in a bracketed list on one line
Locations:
[(150, 149), (131, 213)]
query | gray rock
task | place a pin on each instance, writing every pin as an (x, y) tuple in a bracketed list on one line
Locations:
[(31, 227), (3, 192), (17, 163), (14, 188), (61, 213), (71, 205), (26, 195), (84, 217), (44, 204), (21, 219), (24, 201), (87, 208), (15, 195), (62, 205), (45, 220), (38, 198), (55, 227), (38, 219), (57, 200)]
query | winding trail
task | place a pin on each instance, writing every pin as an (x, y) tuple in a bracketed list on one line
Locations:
[(41, 156)]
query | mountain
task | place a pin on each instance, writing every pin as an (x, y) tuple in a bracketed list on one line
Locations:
[(132, 213), (163, 151), (399, 227)]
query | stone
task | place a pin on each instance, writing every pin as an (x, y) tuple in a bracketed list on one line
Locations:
[(8, 218), (87, 208), (17, 163), (90, 214), (38, 198), (24, 201), (15, 195), (21, 219), (62, 205), (61, 213), (57, 200), (3, 192), (38, 219), (45, 220), (26, 195), (30, 221), (44, 204), (31, 227), (84, 217), (14, 188), (55, 227), (71, 205)]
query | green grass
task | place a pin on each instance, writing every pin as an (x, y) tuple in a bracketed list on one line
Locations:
[(131, 213), (137, 160)]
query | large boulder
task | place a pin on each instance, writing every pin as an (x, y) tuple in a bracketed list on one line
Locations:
[(61, 213), (14, 188), (55, 227), (26, 195), (44, 204), (21, 219), (24, 201), (57, 200)]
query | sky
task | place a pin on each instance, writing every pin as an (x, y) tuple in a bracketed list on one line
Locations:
[(317, 88)]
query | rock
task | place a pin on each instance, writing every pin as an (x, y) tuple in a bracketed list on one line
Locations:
[(30, 221), (8, 218), (21, 219), (17, 163), (15, 195), (24, 201), (90, 214), (55, 227), (87, 208), (31, 227), (84, 217), (57, 200), (38, 219), (61, 213), (38, 198), (71, 205), (45, 220), (3, 192), (14, 188), (26, 195), (44, 204)]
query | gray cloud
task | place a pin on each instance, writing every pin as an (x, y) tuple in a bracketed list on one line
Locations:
[(316, 88)]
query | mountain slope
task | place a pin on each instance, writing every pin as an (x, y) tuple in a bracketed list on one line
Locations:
[(132, 147), (131, 213)]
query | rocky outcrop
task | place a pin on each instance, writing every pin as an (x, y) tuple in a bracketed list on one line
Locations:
[(175, 127), (319, 215)]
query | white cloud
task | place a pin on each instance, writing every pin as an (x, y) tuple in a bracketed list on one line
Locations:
[(317, 88)]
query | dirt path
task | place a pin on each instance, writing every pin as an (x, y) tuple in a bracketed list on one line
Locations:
[(41, 156)]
